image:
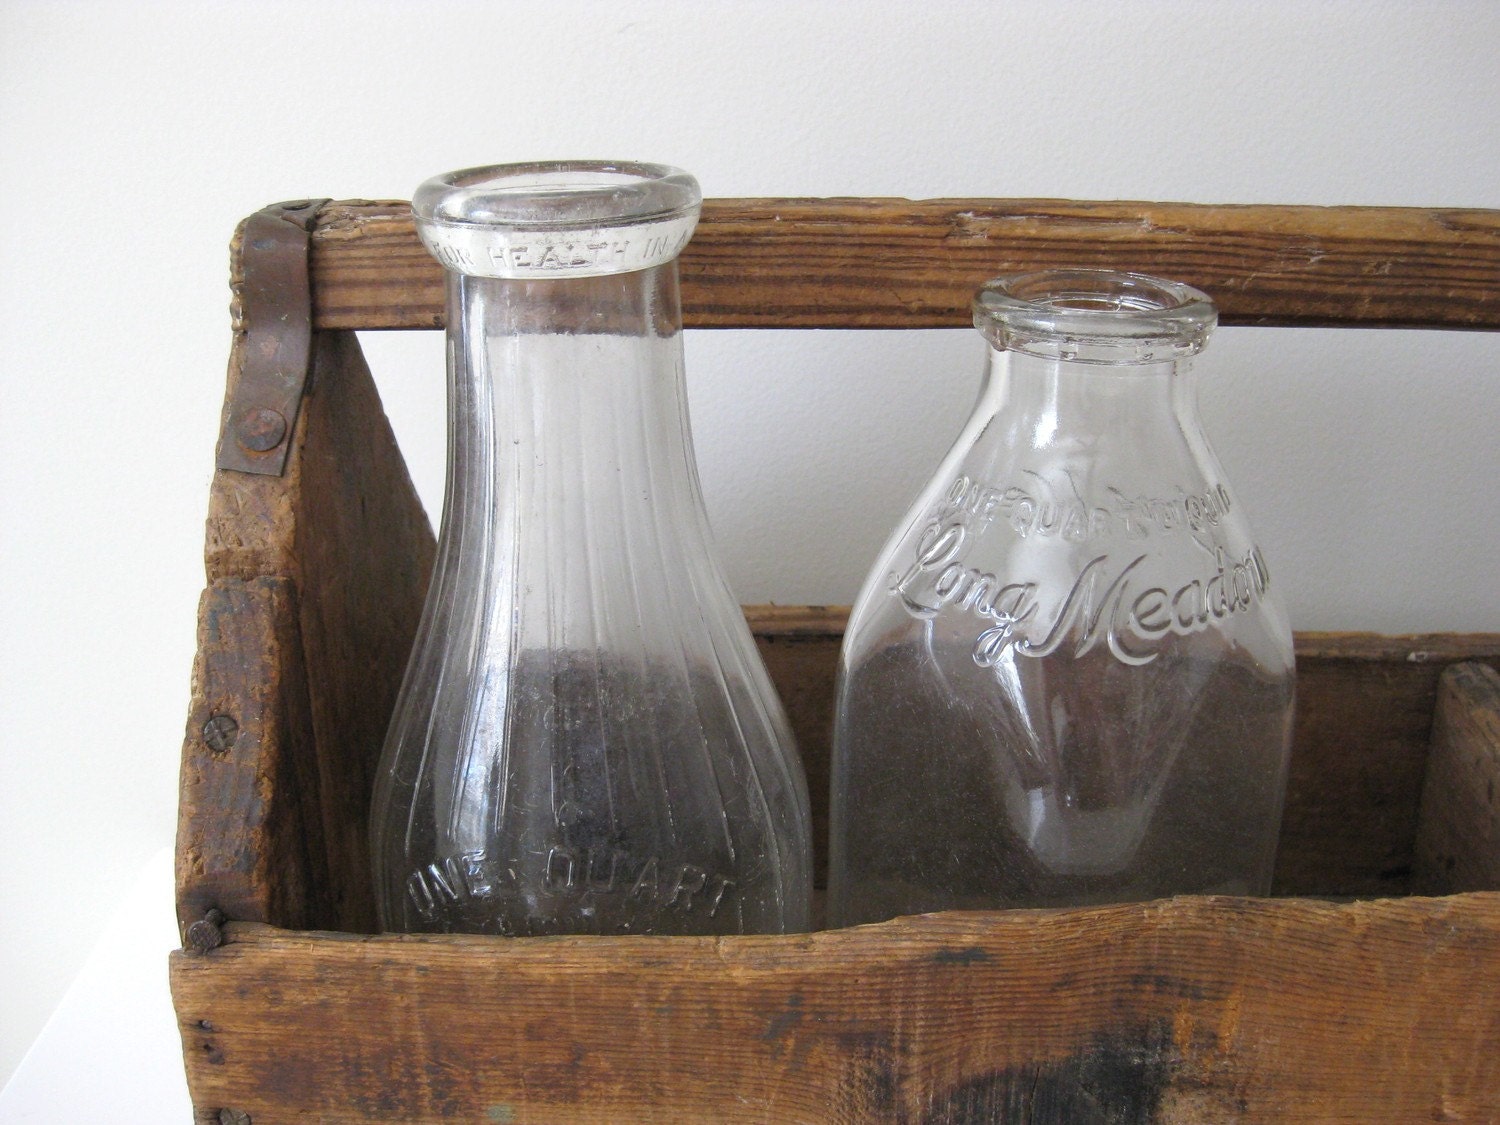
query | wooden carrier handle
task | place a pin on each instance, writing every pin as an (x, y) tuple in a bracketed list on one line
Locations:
[(895, 263)]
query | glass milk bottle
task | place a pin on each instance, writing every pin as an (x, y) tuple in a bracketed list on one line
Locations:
[(1069, 677), (586, 740)]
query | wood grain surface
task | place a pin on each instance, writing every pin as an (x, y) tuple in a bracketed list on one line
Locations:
[(895, 263), (249, 839), (1458, 833), (1182, 1010), (316, 584), (364, 553), (1360, 744)]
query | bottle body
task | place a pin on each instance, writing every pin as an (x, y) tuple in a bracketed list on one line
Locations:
[(586, 740), (1069, 678)]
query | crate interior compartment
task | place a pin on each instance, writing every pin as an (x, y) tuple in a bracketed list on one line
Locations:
[(1351, 995)]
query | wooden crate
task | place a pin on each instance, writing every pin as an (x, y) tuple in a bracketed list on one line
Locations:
[(1346, 999)]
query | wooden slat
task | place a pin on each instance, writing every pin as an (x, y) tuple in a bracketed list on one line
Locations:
[(1359, 753), (364, 553), (1458, 835), (892, 263), (343, 534), (1359, 756), (1191, 1009), (249, 838)]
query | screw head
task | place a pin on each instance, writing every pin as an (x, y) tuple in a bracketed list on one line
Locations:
[(260, 430), (219, 733), (233, 1117)]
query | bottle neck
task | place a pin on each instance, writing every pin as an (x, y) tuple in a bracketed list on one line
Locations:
[(1048, 397), (568, 419), (570, 366), (639, 304)]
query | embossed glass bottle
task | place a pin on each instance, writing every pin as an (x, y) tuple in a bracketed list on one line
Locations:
[(1069, 678), (586, 740)]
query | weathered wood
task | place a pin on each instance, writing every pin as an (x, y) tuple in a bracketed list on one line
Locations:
[(894, 263), (1364, 715), (1458, 833), (249, 839), (1365, 712), (800, 647), (364, 553), (1191, 1009), (343, 530)]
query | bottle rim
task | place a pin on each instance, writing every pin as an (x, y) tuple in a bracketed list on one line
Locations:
[(1091, 315), (557, 218), (557, 194)]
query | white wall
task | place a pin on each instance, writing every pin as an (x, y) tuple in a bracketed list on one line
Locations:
[(133, 136)]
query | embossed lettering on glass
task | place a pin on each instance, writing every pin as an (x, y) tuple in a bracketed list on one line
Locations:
[(1069, 677), (586, 740)]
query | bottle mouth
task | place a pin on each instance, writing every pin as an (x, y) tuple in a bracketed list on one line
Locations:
[(1094, 316), (562, 218)]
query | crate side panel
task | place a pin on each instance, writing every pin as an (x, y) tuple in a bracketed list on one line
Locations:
[(1458, 834), (249, 837), (1185, 1009), (803, 667), (364, 551), (1359, 755), (1358, 762)]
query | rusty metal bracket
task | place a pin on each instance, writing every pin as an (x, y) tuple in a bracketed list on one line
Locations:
[(275, 313)]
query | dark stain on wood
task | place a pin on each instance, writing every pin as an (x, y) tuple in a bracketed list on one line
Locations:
[(873, 1073), (1117, 1078), (971, 955), (784, 1022)]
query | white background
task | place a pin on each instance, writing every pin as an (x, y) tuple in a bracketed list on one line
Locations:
[(134, 136)]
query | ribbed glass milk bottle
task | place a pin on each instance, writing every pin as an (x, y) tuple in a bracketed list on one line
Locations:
[(586, 740), (1069, 677)]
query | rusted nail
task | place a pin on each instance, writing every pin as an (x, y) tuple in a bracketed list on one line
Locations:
[(260, 430), (219, 733), (204, 935), (233, 1117)]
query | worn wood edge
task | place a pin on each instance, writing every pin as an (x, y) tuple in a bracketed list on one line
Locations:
[(1207, 1009), (345, 488), (892, 263), (245, 846), (797, 620), (939, 930), (1458, 827), (1410, 648)]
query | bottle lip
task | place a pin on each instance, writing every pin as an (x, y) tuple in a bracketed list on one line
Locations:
[(1094, 316), (557, 218)]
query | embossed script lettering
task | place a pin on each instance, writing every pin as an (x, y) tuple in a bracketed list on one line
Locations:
[(1108, 601)]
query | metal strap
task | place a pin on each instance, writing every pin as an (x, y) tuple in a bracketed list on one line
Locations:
[(275, 297)]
